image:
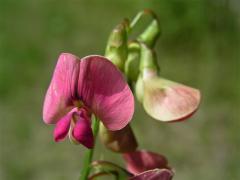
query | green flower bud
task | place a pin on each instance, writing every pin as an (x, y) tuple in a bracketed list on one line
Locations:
[(151, 34), (116, 50), (131, 66), (120, 141), (108, 170), (148, 69), (139, 89), (148, 59)]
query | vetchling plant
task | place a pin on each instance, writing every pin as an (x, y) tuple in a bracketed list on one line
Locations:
[(95, 95)]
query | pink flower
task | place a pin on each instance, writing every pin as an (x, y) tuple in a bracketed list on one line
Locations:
[(141, 160), (154, 174), (163, 99), (147, 165), (166, 100), (82, 87), (141, 165)]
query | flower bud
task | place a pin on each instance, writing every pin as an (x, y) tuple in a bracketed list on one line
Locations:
[(148, 69), (139, 89), (151, 34), (162, 174), (105, 170), (142, 160), (120, 141), (116, 49), (148, 59), (132, 63)]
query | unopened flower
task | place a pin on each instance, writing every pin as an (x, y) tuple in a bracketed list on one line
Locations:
[(117, 50), (163, 99), (121, 141), (141, 165), (154, 174), (151, 33), (142, 160), (131, 69), (147, 165), (82, 87)]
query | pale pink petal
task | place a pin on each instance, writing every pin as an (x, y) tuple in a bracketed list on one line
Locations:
[(82, 131), (62, 127), (104, 90), (58, 100), (167, 101), (140, 161), (155, 174)]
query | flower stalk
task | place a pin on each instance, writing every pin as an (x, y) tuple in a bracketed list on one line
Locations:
[(89, 153)]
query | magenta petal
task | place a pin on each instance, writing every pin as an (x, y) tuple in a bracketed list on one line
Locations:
[(155, 174), (140, 161), (82, 132), (62, 88), (104, 89), (62, 127)]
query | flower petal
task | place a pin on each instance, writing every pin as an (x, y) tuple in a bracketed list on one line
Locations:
[(140, 161), (166, 100), (61, 90), (62, 127), (155, 174), (82, 131), (103, 88)]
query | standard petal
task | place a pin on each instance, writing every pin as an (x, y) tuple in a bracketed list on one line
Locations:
[(82, 131), (155, 174), (58, 100), (167, 101), (140, 161), (103, 88), (62, 127)]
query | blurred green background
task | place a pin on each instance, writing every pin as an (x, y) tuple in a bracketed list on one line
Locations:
[(199, 47)]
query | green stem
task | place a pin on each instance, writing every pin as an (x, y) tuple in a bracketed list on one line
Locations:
[(89, 154)]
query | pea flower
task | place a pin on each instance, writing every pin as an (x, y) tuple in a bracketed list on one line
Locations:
[(140, 165), (154, 174), (141, 160), (82, 87), (147, 165), (132, 62), (163, 99)]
